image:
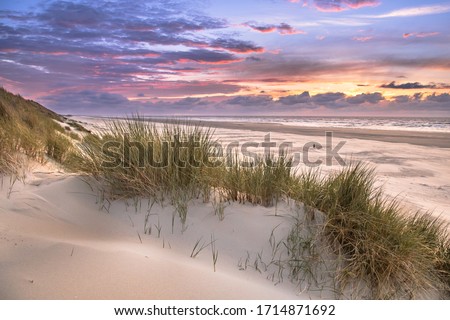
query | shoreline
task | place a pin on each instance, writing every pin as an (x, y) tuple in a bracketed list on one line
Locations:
[(427, 139)]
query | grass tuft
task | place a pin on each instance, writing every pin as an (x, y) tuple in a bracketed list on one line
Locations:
[(390, 252), (262, 181)]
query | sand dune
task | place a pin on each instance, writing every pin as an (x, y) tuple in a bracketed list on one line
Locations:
[(55, 243)]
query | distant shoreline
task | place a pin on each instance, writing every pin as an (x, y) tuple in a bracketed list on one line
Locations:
[(428, 139)]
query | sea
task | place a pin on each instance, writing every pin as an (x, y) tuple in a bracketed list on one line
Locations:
[(381, 123)]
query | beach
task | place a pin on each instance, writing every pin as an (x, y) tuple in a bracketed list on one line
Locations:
[(61, 239), (410, 165), (420, 138)]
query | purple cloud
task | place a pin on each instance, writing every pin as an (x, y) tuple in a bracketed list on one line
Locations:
[(327, 98), (415, 85), (444, 97), (296, 99), (237, 46), (341, 5), (282, 28), (366, 97), (250, 100)]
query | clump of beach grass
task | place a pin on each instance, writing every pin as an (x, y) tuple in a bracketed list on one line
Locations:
[(143, 160), (390, 252), (261, 181), (135, 158)]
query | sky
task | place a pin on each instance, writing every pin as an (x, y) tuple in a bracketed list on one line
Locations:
[(246, 57)]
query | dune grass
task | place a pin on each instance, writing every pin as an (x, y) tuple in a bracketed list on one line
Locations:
[(385, 249), (135, 158), (27, 128), (261, 181)]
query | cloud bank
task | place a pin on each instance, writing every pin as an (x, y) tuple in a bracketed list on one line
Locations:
[(330, 103)]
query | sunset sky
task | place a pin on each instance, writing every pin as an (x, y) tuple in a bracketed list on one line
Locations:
[(246, 57)]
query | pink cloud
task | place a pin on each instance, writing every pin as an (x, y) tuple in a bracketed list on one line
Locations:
[(338, 5), (262, 28), (304, 2), (356, 4), (246, 50), (420, 34)]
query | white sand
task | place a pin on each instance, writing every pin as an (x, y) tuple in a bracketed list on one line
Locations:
[(56, 243)]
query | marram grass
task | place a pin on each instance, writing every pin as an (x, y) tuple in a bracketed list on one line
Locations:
[(390, 252), (148, 161), (27, 128)]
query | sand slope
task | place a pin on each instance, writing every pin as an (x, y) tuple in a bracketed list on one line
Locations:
[(55, 243)]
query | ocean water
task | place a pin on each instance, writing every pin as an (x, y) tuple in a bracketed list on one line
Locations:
[(407, 124)]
